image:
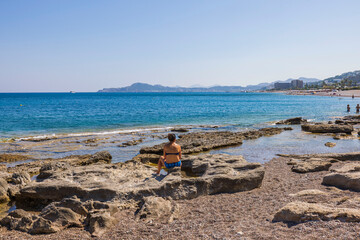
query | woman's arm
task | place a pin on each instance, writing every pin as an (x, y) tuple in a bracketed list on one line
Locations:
[(179, 152)]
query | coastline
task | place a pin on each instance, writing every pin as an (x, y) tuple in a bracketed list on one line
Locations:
[(221, 215), (327, 93)]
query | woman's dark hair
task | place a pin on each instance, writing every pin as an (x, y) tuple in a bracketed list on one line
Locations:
[(171, 137)]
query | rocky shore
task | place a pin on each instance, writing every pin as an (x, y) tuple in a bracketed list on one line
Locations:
[(212, 196)]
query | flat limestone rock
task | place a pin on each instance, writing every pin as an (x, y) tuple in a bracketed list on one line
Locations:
[(292, 121), (351, 119), (349, 167), (327, 128), (343, 180), (317, 162), (13, 157), (299, 212), (215, 174), (89, 196), (308, 192), (33, 168), (205, 141), (311, 165)]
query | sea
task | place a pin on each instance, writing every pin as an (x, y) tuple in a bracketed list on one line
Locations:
[(42, 115), (30, 114)]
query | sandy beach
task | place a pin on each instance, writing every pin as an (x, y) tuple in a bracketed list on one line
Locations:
[(329, 93)]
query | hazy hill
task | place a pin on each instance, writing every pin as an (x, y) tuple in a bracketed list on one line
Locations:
[(351, 76), (144, 87)]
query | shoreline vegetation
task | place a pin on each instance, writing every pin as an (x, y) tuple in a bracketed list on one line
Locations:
[(224, 196)]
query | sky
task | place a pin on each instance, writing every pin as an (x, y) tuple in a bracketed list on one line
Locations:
[(87, 45)]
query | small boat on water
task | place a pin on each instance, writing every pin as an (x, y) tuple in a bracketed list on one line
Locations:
[(72, 91)]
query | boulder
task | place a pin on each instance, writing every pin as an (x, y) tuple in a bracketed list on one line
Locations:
[(344, 180), (21, 178), (327, 128), (350, 119), (18, 220), (146, 158), (48, 169), (292, 121), (4, 186), (61, 217), (42, 226), (103, 156), (330, 144), (339, 136), (131, 143), (299, 212), (157, 208), (99, 222)]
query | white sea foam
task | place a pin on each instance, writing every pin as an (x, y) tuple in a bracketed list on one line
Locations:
[(84, 134)]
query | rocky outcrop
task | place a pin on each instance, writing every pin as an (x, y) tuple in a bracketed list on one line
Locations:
[(146, 158), (89, 196), (205, 141), (317, 162), (103, 156), (346, 177), (310, 165), (339, 136), (299, 212), (100, 189), (327, 128), (216, 174), (131, 143), (343, 180), (13, 157), (292, 121), (4, 187), (70, 212), (349, 120), (179, 130), (33, 168)]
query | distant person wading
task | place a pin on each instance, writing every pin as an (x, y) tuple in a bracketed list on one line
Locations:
[(172, 154)]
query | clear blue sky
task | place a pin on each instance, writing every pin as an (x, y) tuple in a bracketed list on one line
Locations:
[(87, 45)]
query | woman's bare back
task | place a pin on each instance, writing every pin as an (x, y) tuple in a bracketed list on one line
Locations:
[(172, 152)]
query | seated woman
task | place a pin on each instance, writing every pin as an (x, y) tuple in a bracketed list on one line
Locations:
[(172, 154)]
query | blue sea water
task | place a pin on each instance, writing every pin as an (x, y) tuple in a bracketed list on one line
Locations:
[(25, 114)]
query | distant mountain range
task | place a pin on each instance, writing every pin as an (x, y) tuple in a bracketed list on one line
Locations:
[(350, 76), (144, 87)]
